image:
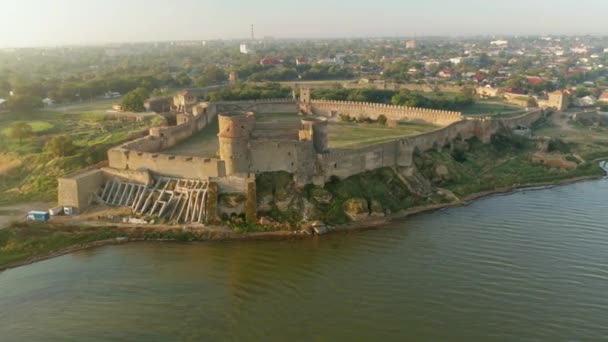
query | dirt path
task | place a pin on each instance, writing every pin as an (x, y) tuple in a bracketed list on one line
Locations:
[(9, 213)]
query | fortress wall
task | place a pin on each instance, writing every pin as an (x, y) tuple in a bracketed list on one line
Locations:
[(145, 144), (77, 190), (261, 106), (524, 120), (173, 166), (141, 177), (268, 155), (347, 163), (373, 110), (286, 107), (173, 135), (236, 183), (400, 152)]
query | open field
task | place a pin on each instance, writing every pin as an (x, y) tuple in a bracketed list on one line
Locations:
[(355, 135), (590, 142), (30, 173)]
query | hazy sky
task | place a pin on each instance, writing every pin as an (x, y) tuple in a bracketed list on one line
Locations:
[(52, 22)]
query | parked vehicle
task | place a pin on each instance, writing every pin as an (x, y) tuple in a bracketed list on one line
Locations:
[(42, 216)]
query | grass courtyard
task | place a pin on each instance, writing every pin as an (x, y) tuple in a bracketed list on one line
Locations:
[(203, 144), (487, 108), (344, 135)]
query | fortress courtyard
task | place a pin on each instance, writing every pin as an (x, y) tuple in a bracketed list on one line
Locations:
[(342, 135)]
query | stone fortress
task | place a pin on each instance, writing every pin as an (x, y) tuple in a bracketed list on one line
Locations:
[(144, 175)]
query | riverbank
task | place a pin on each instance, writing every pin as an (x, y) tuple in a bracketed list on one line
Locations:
[(94, 235)]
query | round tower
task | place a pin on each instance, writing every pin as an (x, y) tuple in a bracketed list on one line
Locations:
[(234, 132), (315, 130)]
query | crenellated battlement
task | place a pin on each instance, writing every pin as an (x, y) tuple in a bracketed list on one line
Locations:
[(332, 108)]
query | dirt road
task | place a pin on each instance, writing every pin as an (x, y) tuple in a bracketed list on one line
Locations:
[(18, 211)]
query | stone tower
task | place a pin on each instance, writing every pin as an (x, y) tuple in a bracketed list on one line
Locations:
[(234, 131), (305, 95), (559, 100), (305, 104), (315, 130)]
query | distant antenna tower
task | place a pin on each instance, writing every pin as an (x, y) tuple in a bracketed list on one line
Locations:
[(252, 34)]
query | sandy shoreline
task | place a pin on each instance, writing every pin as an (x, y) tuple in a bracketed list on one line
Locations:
[(224, 235)]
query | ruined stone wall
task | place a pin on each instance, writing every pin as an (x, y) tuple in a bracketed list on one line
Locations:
[(373, 110)]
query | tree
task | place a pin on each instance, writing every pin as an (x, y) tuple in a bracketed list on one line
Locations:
[(212, 75), (183, 80), (24, 103), (61, 146), (134, 100), (20, 130)]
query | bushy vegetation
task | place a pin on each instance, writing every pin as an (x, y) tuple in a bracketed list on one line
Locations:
[(503, 163), (133, 101), (244, 91), (381, 185), (57, 144)]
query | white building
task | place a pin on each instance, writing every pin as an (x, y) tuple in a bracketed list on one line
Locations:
[(500, 43), (456, 60), (48, 102), (111, 95), (245, 49)]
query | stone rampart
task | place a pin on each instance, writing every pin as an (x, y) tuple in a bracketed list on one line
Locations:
[(77, 190), (167, 164), (144, 153), (259, 106), (373, 110), (346, 163), (267, 155)]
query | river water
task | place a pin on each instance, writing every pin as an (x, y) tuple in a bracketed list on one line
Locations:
[(532, 265)]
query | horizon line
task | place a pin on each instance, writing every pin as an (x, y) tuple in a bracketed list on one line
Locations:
[(274, 38)]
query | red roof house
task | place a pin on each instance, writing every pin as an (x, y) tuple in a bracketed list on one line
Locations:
[(271, 61)]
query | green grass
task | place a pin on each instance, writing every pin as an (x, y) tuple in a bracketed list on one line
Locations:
[(203, 144), (23, 241), (37, 127), (356, 135), (491, 109)]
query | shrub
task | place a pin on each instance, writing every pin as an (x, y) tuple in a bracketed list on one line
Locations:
[(61, 146), (558, 145), (345, 118), (382, 120), (20, 131)]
